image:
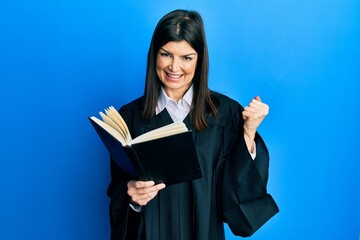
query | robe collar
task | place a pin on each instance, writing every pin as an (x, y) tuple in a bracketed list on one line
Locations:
[(164, 99)]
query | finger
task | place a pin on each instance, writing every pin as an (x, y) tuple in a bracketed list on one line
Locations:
[(137, 187), (250, 115), (259, 107), (153, 190), (143, 198), (143, 201), (132, 191), (150, 189), (257, 104), (160, 186), (250, 109), (253, 113), (140, 184)]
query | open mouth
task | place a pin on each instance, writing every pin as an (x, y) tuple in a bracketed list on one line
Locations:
[(174, 76)]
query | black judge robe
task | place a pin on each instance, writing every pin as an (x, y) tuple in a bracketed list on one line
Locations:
[(232, 189)]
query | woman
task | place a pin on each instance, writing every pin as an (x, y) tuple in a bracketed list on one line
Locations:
[(233, 186)]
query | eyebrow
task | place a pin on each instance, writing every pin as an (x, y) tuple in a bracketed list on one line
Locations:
[(185, 55)]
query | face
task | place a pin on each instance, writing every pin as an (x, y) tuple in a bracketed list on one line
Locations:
[(175, 66)]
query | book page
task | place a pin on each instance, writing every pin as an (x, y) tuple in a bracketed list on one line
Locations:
[(110, 130), (112, 124), (113, 114), (168, 130)]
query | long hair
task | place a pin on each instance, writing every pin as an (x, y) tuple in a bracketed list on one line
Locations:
[(175, 26)]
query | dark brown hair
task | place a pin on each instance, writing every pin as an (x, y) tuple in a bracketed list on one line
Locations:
[(181, 25)]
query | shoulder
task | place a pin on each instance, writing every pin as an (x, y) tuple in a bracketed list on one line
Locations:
[(132, 109), (134, 105), (228, 108), (225, 103)]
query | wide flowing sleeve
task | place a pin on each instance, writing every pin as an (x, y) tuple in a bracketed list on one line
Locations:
[(123, 220), (245, 203)]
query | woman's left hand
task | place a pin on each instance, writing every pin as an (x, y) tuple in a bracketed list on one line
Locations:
[(254, 114)]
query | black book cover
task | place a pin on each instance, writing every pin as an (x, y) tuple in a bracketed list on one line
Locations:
[(168, 160)]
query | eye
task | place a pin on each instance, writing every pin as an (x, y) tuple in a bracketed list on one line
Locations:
[(187, 58), (164, 54)]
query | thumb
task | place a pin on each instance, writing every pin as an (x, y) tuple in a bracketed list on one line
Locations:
[(257, 98)]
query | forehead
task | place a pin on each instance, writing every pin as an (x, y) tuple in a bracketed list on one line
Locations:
[(178, 47)]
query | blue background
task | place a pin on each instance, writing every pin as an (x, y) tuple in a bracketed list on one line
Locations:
[(62, 61)]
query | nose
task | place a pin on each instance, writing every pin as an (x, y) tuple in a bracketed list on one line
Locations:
[(174, 65)]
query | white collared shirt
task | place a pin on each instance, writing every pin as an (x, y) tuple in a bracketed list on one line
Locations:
[(177, 110)]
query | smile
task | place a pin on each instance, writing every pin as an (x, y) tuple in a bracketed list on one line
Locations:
[(174, 76)]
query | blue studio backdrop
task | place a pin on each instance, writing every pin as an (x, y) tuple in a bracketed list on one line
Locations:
[(62, 61)]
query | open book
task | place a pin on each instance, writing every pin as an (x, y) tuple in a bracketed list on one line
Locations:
[(116, 126), (166, 154)]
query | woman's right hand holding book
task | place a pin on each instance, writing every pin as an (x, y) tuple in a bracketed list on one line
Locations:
[(141, 192)]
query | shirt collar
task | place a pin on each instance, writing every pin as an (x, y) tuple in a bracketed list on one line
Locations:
[(164, 99)]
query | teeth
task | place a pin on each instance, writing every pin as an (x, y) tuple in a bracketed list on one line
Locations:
[(174, 75)]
